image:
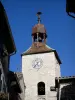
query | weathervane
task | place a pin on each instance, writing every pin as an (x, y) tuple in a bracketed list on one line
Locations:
[(38, 14)]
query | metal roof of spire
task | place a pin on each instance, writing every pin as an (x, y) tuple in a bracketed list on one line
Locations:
[(39, 28)]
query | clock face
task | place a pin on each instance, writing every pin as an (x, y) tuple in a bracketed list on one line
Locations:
[(37, 63)]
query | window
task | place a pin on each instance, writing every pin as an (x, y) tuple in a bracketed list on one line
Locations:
[(41, 88)]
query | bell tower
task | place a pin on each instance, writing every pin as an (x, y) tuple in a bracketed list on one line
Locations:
[(39, 32), (40, 66)]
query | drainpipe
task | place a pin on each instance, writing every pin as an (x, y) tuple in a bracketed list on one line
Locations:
[(58, 90)]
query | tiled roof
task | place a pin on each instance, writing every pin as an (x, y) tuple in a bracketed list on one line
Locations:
[(37, 48), (66, 79), (40, 48)]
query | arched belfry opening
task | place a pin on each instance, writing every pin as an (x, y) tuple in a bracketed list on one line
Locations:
[(41, 88), (39, 31)]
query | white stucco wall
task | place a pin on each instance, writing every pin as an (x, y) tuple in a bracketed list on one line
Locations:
[(46, 73), (57, 68)]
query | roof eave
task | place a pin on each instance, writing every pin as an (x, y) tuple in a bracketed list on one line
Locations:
[(12, 49), (56, 54), (62, 80)]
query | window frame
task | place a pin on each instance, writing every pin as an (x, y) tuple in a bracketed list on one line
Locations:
[(41, 85)]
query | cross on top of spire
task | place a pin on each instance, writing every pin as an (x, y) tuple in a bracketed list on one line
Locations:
[(38, 14)]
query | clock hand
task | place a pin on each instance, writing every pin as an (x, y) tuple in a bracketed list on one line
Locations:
[(36, 64)]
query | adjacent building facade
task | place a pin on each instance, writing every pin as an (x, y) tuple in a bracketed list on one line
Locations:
[(7, 48), (65, 87), (9, 82)]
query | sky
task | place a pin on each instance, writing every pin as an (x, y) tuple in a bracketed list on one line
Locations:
[(59, 26)]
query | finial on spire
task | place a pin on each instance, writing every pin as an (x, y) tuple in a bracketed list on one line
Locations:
[(38, 14)]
